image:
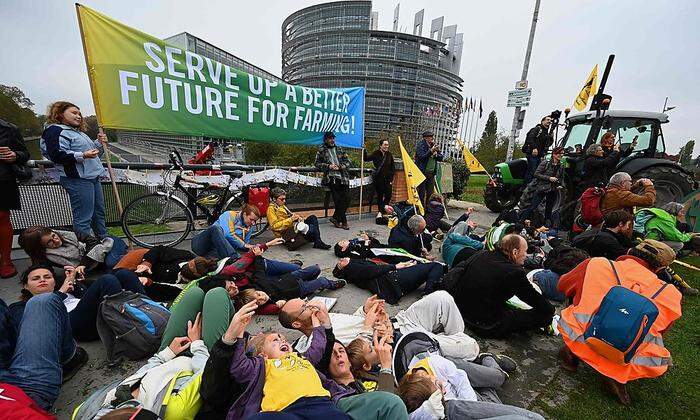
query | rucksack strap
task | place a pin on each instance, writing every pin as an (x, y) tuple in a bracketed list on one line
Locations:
[(661, 289), (615, 271)]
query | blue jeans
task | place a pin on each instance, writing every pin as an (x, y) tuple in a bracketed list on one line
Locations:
[(119, 249), (84, 317), (277, 268), (532, 163), (88, 205), (308, 279), (44, 344), (211, 242), (548, 281), (411, 278)]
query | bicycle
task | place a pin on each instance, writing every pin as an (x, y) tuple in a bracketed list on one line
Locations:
[(162, 218)]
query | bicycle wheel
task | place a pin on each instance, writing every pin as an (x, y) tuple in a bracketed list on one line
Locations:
[(156, 219), (260, 226)]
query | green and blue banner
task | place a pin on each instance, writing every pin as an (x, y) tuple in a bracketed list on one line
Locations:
[(141, 83)]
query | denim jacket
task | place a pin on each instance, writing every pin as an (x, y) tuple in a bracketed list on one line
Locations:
[(64, 146)]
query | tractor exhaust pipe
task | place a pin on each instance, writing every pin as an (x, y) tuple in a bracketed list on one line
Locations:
[(601, 101)]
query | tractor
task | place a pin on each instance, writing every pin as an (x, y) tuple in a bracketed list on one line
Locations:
[(648, 160)]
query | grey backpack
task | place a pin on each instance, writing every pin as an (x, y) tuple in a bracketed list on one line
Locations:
[(131, 325)]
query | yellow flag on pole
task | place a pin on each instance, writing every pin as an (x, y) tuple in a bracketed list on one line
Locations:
[(414, 177), (472, 162), (587, 90)]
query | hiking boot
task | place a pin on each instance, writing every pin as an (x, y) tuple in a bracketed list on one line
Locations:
[(300, 263), (7, 271), (335, 222), (345, 226), (569, 361), (620, 391), (322, 245), (507, 364), (685, 288), (79, 359), (337, 284)]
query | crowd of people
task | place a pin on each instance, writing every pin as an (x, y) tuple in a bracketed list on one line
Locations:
[(193, 309)]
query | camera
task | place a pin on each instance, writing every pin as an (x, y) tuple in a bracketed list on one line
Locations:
[(555, 115)]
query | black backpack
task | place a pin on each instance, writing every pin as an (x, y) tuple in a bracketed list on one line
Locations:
[(564, 258), (131, 325)]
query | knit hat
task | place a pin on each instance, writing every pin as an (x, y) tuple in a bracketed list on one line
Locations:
[(662, 253)]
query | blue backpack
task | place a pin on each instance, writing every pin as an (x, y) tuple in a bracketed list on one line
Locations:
[(621, 322)]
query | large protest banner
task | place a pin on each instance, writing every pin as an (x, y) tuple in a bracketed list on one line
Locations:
[(141, 83)]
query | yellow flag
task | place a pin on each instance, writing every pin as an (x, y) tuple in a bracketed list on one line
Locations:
[(472, 162), (414, 177), (588, 90)]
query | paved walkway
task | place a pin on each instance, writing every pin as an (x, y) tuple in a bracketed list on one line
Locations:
[(535, 353)]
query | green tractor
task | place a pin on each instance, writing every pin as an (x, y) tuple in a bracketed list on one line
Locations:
[(648, 160)]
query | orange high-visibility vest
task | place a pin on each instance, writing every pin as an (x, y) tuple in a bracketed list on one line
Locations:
[(652, 359)]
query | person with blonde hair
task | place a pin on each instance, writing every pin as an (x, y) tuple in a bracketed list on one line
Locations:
[(77, 157)]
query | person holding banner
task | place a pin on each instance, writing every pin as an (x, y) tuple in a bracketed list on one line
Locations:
[(77, 157), (382, 177), (334, 163), (427, 156)]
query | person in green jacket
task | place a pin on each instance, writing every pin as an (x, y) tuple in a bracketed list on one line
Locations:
[(662, 224)]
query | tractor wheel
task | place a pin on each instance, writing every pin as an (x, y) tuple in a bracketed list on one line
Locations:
[(497, 201), (671, 183)]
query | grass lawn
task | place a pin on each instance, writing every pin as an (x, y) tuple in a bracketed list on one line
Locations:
[(474, 191), (675, 395), (138, 230)]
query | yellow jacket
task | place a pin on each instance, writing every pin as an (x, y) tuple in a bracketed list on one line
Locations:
[(279, 218)]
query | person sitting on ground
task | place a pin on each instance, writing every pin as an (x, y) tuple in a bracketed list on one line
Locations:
[(434, 389), (491, 278), (435, 314), (360, 247), (274, 377), (558, 262), (82, 302), (662, 225), (597, 166), (459, 245), (618, 195), (589, 284), (37, 355), (495, 234), (61, 248), (611, 240), (231, 233), (167, 384), (434, 212), (412, 237), (390, 281), (281, 219)]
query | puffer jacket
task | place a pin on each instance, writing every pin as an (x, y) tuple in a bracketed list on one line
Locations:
[(11, 137), (64, 145), (658, 224)]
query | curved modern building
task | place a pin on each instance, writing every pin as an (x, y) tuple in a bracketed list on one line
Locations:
[(412, 81)]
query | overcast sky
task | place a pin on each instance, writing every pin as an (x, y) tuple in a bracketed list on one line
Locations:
[(657, 47)]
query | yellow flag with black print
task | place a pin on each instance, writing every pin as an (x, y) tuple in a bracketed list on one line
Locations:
[(587, 90), (414, 177)]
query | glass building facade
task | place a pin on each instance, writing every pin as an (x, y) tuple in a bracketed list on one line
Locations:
[(412, 81), (156, 147)]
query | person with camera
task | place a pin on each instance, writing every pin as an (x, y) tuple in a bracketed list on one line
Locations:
[(536, 145), (619, 195), (548, 180), (427, 156)]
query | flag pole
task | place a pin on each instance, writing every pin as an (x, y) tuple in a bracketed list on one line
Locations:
[(362, 179)]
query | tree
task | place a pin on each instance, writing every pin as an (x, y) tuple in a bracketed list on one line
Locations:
[(24, 118), (486, 149), (686, 153), (16, 95)]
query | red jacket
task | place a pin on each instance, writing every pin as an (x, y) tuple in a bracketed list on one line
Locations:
[(15, 404)]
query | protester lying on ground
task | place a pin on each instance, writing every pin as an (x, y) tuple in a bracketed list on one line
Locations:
[(390, 281), (435, 388), (459, 245), (464, 217), (612, 240), (435, 314), (244, 267), (167, 384), (343, 370), (231, 233), (61, 248), (81, 301), (621, 348), (412, 237), (434, 212), (482, 285), (360, 247), (282, 220), (618, 195), (37, 354), (559, 261), (77, 159), (662, 225), (199, 267)]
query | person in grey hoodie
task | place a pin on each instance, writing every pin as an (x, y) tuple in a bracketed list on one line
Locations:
[(76, 156)]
